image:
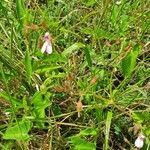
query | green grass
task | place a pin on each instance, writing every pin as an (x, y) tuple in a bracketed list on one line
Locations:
[(100, 57)]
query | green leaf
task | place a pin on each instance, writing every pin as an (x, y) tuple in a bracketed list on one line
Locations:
[(54, 57), (129, 62), (107, 130), (6, 97), (81, 144), (147, 131), (114, 15), (90, 3), (20, 9), (141, 117), (124, 24), (18, 131), (88, 131), (46, 68), (28, 66), (72, 48), (40, 102), (37, 99)]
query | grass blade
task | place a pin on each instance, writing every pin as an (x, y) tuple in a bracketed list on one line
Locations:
[(28, 66), (108, 123), (72, 48), (20, 9)]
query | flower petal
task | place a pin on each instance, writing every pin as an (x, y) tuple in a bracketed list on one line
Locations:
[(49, 48), (43, 49)]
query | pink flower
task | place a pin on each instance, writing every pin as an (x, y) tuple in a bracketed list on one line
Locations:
[(47, 46)]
